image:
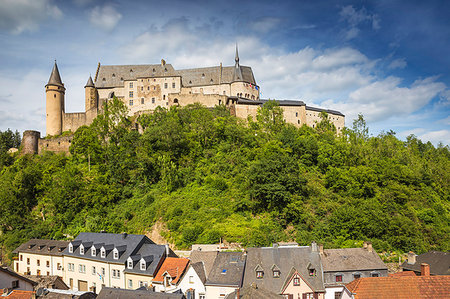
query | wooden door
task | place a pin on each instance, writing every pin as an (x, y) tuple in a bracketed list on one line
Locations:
[(82, 285)]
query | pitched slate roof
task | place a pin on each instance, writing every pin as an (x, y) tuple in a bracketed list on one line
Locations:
[(199, 268), (55, 78), (89, 83), (351, 259), (206, 257), (263, 101), (174, 266), (401, 287), (326, 110), (227, 270), (439, 263), (152, 254), (287, 259), (51, 282), (10, 272), (254, 292), (112, 293), (47, 247)]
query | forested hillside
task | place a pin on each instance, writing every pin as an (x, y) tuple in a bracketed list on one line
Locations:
[(207, 175)]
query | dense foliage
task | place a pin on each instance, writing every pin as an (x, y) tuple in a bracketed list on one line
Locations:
[(207, 175)]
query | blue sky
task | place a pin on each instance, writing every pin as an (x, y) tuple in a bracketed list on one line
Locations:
[(388, 60)]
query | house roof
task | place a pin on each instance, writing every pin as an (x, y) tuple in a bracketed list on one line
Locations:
[(16, 275), (112, 293), (351, 259), (16, 294), (46, 247), (325, 110), (65, 294), (212, 75), (152, 254), (288, 259), (404, 273), (401, 287), (254, 292), (199, 268), (207, 257), (227, 270), (174, 266), (52, 282), (439, 263)]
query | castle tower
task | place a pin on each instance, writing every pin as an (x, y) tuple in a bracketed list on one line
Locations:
[(30, 142), (237, 76), (54, 92), (90, 92)]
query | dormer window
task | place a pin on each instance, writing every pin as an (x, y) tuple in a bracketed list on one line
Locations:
[(103, 252), (70, 248), (312, 272), (296, 281), (259, 274), (115, 254), (82, 250), (93, 251), (130, 264), (276, 273), (143, 266)]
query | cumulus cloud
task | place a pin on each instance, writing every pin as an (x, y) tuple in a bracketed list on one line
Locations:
[(17, 16), (436, 137), (355, 18), (105, 17)]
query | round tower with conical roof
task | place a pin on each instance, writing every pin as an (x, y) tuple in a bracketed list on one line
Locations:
[(91, 100), (54, 92)]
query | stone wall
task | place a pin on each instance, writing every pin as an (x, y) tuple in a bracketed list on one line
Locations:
[(30, 142), (57, 145), (72, 121), (208, 100)]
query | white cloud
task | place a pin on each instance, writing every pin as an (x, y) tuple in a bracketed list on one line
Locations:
[(17, 16), (355, 18), (399, 63), (105, 17), (264, 24), (436, 137)]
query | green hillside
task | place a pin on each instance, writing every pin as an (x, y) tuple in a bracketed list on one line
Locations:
[(207, 175)]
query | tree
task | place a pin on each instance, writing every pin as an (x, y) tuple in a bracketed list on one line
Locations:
[(270, 116)]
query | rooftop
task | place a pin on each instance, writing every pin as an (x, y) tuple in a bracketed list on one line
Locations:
[(227, 270), (351, 259), (439, 263), (46, 247), (174, 266)]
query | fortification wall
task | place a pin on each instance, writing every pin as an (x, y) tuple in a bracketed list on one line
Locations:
[(243, 111), (58, 145), (30, 142), (72, 121), (208, 100), (294, 115)]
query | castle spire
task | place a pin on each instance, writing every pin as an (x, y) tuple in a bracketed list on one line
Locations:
[(89, 83), (55, 78), (237, 76)]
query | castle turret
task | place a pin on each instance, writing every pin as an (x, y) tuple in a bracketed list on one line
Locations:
[(54, 91), (91, 100), (237, 76)]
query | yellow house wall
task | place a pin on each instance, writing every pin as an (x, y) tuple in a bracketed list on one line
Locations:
[(21, 267), (213, 292), (136, 278)]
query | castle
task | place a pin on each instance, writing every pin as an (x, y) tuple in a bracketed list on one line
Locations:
[(142, 88)]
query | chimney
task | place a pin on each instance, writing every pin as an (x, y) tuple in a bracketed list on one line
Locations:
[(167, 250), (411, 258), (314, 247), (369, 247), (321, 248), (424, 269), (163, 62)]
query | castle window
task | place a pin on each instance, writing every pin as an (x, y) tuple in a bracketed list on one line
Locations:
[(173, 85), (153, 100), (54, 95), (113, 75), (131, 84), (298, 121), (154, 87), (130, 94), (164, 97), (190, 82), (148, 88), (142, 88), (142, 101), (131, 102), (121, 78), (104, 79), (131, 70), (296, 114), (154, 70), (165, 85), (165, 69), (203, 75), (175, 101)]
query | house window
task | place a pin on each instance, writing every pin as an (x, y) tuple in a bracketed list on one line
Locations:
[(130, 283), (70, 267), (15, 284), (165, 85), (38, 262), (142, 88), (94, 271), (202, 296), (38, 272), (131, 102), (142, 101), (173, 85), (356, 275), (130, 94), (93, 251), (28, 260), (143, 266), (167, 281), (191, 279), (276, 274), (21, 257), (82, 268), (259, 274), (312, 272), (130, 264), (339, 278), (337, 295), (47, 264), (141, 284), (81, 250), (58, 266), (375, 274), (296, 281), (103, 271), (102, 253), (296, 114), (131, 84), (309, 296), (116, 255), (70, 248), (115, 273)]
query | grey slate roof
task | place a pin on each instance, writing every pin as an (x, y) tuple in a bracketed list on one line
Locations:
[(287, 259), (114, 75), (55, 78), (40, 246), (206, 257), (351, 259), (199, 268), (439, 263), (90, 83), (112, 293), (227, 270), (263, 101), (50, 282), (254, 292), (326, 110), (152, 254), (10, 272)]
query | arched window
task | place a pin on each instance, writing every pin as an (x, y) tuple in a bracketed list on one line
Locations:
[(175, 101)]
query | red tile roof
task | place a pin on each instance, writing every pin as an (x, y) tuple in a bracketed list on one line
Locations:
[(401, 287), (18, 294), (404, 273), (174, 266)]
